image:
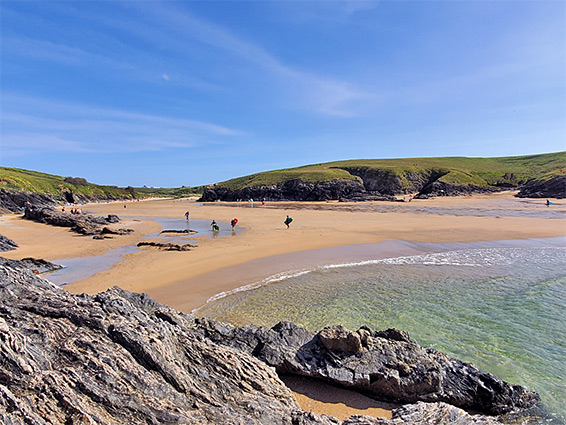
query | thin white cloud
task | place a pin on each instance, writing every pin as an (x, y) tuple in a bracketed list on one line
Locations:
[(321, 93), (44, 125), (56, 52)]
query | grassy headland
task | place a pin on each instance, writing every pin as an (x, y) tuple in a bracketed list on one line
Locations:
[(510, 171)]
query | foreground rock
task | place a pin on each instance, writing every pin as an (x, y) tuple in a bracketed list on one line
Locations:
[(80, 223), (122, 358), (384, 365)]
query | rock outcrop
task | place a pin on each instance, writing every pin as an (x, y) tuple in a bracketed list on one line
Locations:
[(370, 185), (552, 188), (7, 244), (291, 190), (168, 246), (122, 358), (437, 188), (16, 201), (84, 224), (387, 366)]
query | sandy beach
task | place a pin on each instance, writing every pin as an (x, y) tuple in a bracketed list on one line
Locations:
[(186, 280), (264, 246)]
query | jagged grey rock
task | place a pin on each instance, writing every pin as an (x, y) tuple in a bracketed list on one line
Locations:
[(122, 358), (389, 367), (7, 244), (81, 223)]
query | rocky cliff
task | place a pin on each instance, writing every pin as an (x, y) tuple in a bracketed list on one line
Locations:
[(370, 185), (552, 188), (122, 358)]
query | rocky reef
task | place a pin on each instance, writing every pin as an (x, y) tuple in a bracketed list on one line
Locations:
[(122, 358), (84, 224)]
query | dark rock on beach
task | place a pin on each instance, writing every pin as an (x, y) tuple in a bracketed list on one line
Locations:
[(122, 358), (7, 244), (292, 190), (16, 201), (168, 246), (436, 188), (553, 188), (84, 224)]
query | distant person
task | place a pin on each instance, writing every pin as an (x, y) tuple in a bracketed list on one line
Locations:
[(251, 203), (187, 215), (214, 225), (288, 221), (263, 202), (548, 203), (233, 223)]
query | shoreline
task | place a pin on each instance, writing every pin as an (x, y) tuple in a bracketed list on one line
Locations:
[(184, 279), (304, 262)]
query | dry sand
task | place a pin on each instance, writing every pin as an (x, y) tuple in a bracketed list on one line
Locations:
[(185, 280)]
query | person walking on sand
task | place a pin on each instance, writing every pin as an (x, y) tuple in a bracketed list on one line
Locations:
[(214, 225), (233, 223), (288, 221), (187, 215)]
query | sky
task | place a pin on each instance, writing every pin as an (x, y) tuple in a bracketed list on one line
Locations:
[(185, 93)]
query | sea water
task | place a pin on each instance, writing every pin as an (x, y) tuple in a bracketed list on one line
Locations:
[(500, 306)]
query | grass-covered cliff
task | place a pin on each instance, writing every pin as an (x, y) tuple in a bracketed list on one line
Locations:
[(76, 189), (390, 177), (49, 184)]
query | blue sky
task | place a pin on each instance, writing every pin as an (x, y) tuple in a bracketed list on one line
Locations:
[(195, 92)]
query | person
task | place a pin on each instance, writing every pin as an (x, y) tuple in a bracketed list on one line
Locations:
[(214, 225), (288, 221), (187, 215), (548, 203), (251, 202), (234, 222)]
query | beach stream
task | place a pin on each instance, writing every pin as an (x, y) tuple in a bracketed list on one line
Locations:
[(79, 268)]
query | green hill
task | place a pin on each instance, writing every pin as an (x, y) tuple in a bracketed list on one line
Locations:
[(58, 186), (390, 177)]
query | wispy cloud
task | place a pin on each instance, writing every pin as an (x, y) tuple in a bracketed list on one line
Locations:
[(36, 125), (56, 52), (320, 93)]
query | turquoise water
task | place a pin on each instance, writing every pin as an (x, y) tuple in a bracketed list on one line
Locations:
[(499, 306)]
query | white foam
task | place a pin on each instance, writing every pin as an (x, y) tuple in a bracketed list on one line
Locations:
[(480, 257)]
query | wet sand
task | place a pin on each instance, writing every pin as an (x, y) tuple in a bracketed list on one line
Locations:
[(319, 397), (186, 280)]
